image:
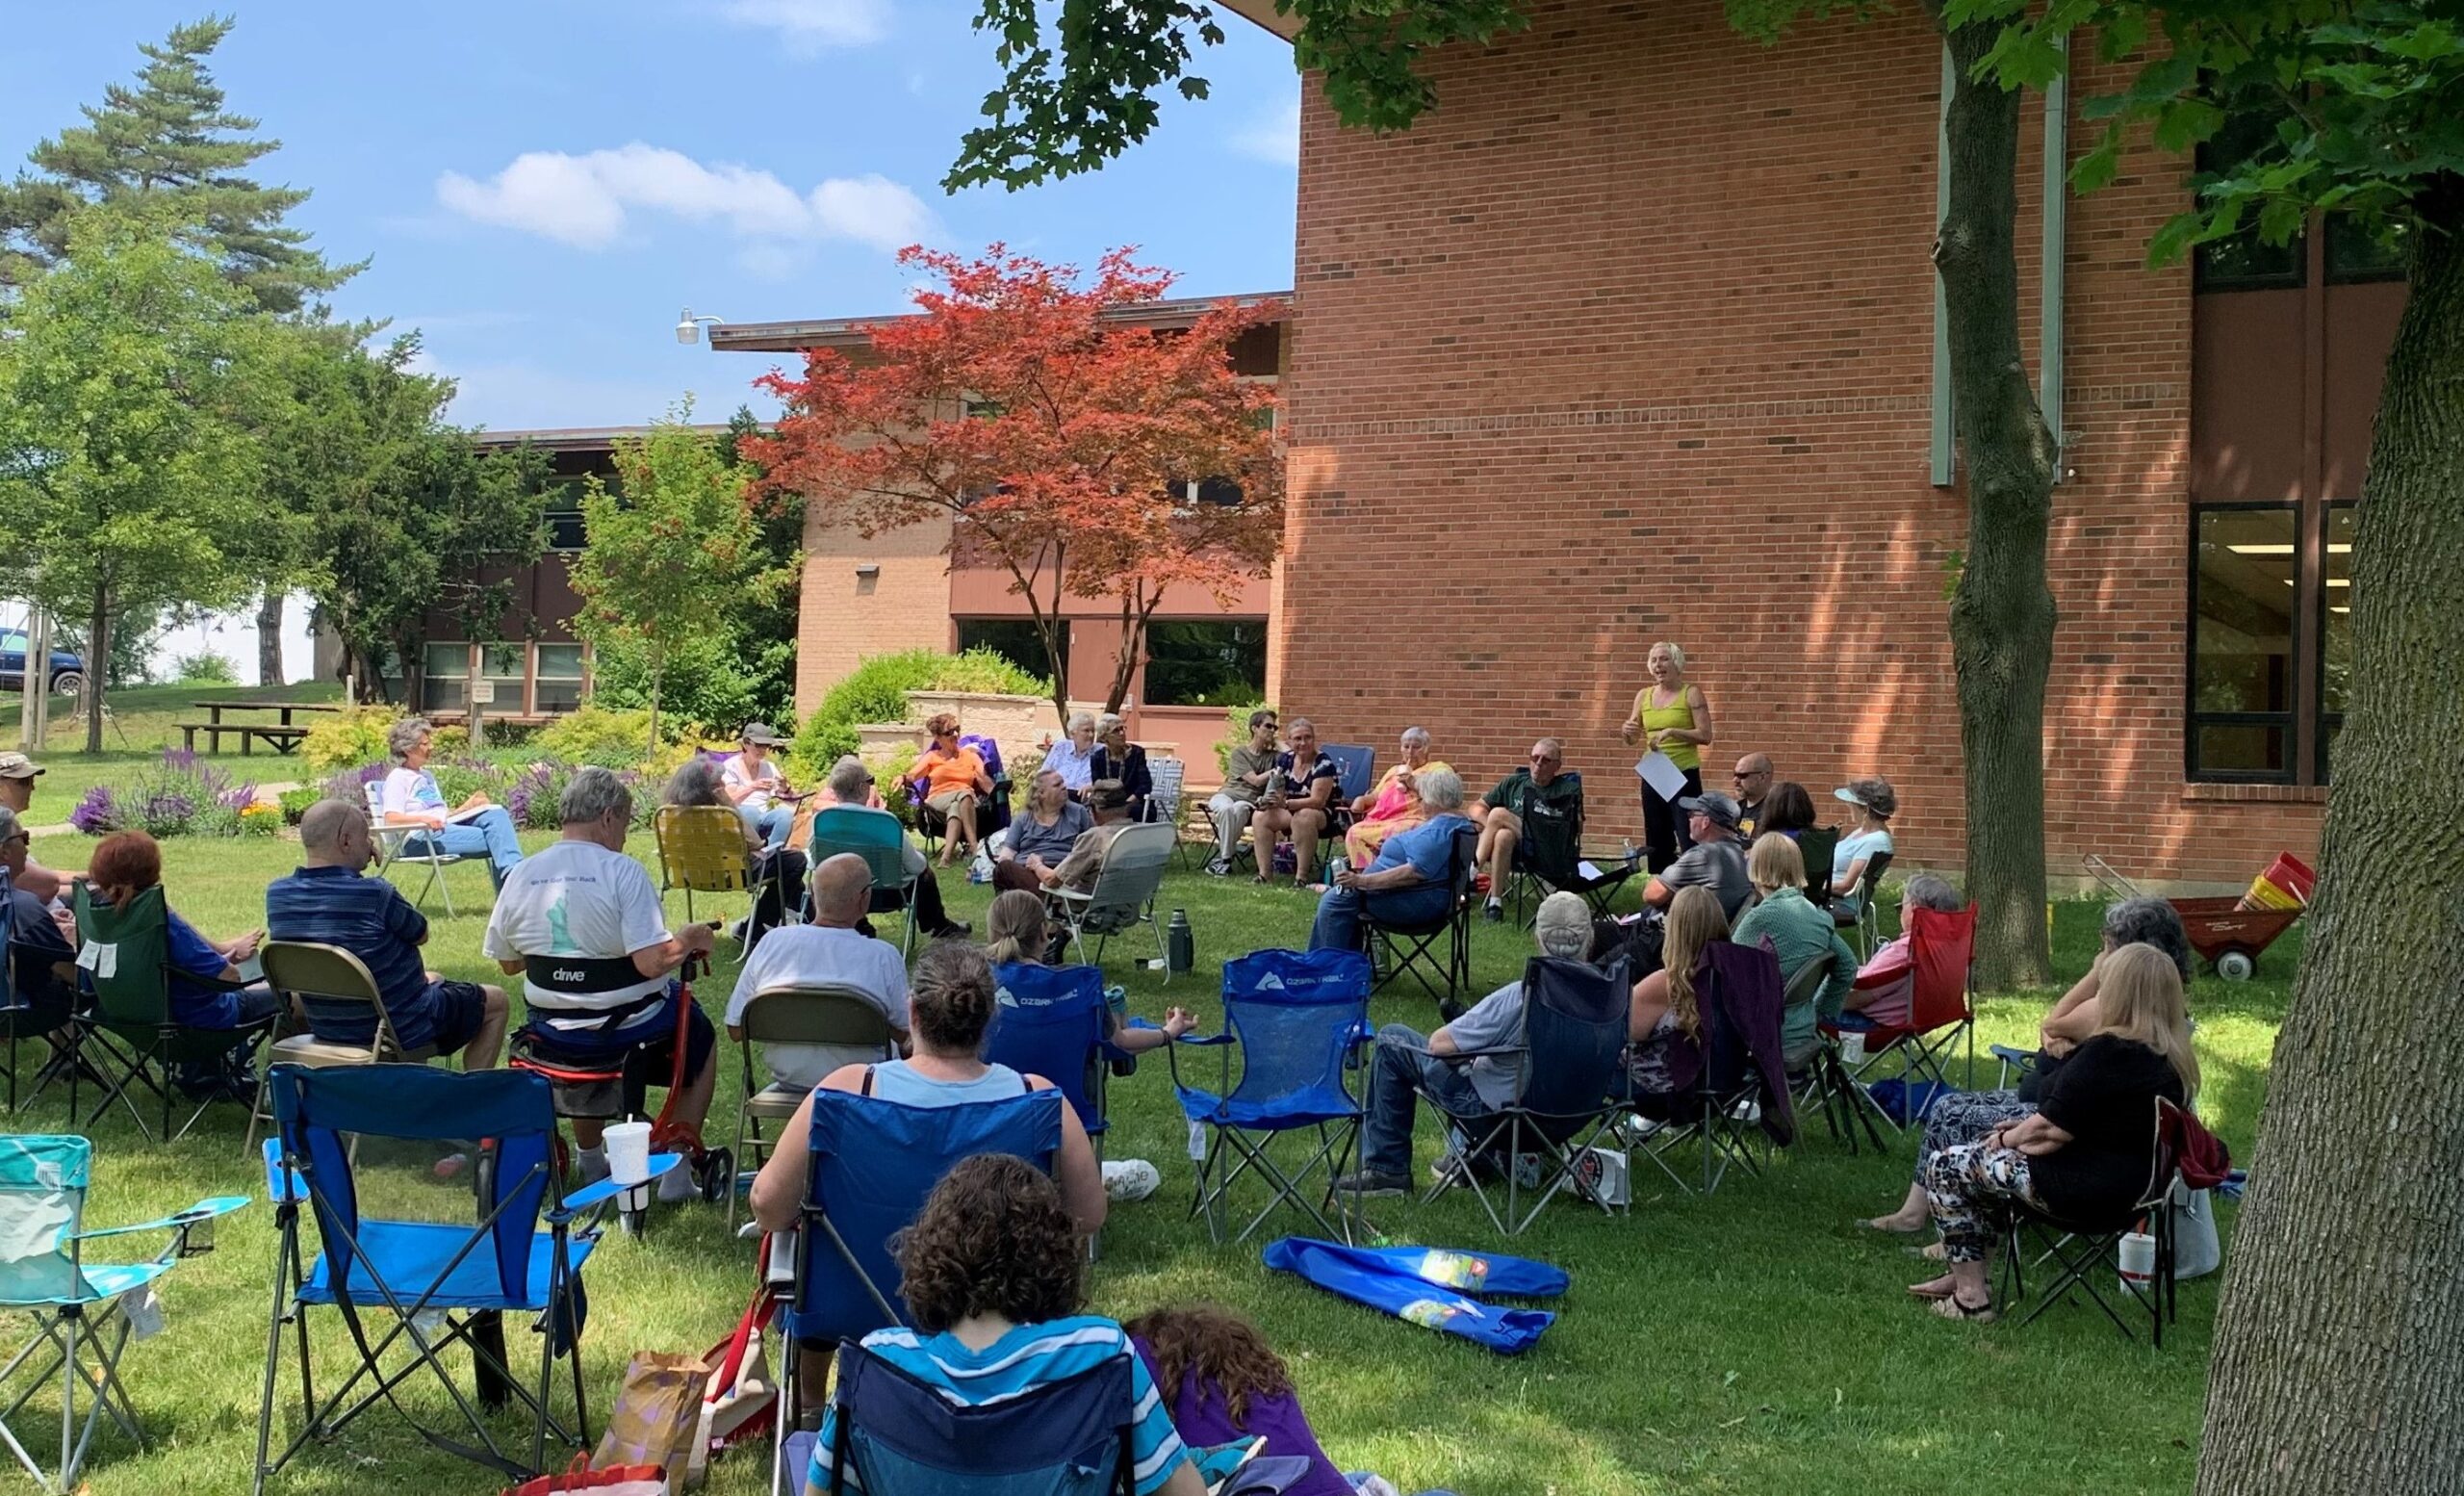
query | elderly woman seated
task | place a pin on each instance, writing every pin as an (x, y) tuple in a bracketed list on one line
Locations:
[(1884, 983), (1410, 880), (1799, 935), (2083, 1155), (1393, 805), (956, 781), (1967, 1116), (1115, 756), (1073, 757), (779, 870), (477, 827)]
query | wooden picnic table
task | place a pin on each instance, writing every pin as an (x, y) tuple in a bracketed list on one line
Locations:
[(282, 736)]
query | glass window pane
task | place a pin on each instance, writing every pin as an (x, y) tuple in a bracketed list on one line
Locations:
[(1016, 640), (2241, 262), (559, 661), (1205, 662), (2359, 252), (2242, 611), (2335, 631), (448, 661), (2237, 748)]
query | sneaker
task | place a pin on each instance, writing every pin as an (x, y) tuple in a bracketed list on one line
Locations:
[(1494, 912), (1219, 867), (1370, 1184), (1127, 1179), (955, 930), (1448, 1169)]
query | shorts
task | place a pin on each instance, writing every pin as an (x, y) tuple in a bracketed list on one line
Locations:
[(456, 1010), (947, 803), (652, 1037)]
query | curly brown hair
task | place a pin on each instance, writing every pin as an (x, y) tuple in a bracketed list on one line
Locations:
[(941, 725), (993, 1239), (1220, 1346)]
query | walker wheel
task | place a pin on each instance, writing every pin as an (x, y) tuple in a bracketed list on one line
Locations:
[(2236, 965), (715, 1173)]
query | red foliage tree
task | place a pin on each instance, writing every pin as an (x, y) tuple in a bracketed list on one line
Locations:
[(1057, 437)]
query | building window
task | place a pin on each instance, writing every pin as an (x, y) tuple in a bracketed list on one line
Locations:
[(2241, 261), (1016, 640), (559, 684), (506, 666), (2268, 597), (446, 678), (565, 531), (1211, 662)]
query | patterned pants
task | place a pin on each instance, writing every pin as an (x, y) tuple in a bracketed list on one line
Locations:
[(1972, 1187), (1968, 1116)]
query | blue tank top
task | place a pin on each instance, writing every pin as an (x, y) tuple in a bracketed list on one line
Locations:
[(896, 1080)]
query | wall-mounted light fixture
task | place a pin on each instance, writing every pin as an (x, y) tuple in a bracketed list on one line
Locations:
[(868, 568)]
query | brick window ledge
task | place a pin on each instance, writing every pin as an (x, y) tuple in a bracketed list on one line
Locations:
[(2254, 794)]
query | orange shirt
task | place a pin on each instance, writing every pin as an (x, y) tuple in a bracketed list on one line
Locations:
[(940, 771)]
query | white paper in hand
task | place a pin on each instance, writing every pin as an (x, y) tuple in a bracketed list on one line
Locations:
[(1661, 773)]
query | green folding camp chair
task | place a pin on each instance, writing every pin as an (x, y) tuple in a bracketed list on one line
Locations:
[(123, 953), (84, 1312)]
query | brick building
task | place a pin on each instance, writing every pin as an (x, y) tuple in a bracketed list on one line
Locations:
[(1635, 337)]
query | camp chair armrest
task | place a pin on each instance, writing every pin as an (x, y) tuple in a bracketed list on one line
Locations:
[(1201, 1041), (2014, 1056), (1461, 1055), (202, 1211), (605, 1189), (1070, 895)]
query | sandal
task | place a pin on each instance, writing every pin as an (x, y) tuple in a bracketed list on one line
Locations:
[(1933, 1252), (1883, 1224), (1933, 1290), (1954, 1307)]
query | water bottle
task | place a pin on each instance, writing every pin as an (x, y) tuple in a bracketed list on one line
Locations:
[(1180, 947)]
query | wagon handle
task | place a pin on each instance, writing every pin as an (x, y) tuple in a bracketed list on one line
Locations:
[(2111, 880)]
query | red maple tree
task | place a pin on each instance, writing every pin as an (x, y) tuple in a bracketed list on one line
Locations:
[(1062, 441)]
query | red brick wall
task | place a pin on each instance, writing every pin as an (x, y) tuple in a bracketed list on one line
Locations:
[(1632, 340)]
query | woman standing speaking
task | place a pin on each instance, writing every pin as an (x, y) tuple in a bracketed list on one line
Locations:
[(1672, 716)]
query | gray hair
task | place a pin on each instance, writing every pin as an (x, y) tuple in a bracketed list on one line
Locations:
[(1079, 719), (322, 828), (594, 794), (1291, 725), (695, 782), (1562, 926), (848, 779), (9, 827), (1440, 790), (1927, 892), (1106, 723), (1416, 738), (404, 735), (1675, 654), (2147, 920)]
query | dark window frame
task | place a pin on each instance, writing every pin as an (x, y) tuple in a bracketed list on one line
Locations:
[(1034, 664), (2307, 722), (2327, 724), (1150, 697)]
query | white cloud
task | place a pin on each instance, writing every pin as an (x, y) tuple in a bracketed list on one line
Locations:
[(583, 200), (807, 26), (1273, 136)]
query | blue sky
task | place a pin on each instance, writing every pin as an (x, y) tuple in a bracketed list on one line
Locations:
[(543, 184)]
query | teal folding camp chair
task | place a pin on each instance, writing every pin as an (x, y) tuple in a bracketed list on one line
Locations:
[(84, 1312), (878, 837), (125, 954)]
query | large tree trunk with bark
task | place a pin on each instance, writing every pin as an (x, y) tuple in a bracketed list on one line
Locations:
[(2002, 614), (98, 663), (2340, 1339), (269, 638)]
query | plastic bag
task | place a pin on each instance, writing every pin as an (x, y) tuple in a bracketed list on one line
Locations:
[(616, 1481), (740, 1398)]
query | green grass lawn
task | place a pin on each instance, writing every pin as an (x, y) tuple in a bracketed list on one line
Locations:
[(1752, 1342), (143, 721)]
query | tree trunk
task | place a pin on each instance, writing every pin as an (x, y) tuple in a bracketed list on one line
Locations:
[(2002, 615), (2341, 1329), (98, 656), (1133, 633), (269, 638)]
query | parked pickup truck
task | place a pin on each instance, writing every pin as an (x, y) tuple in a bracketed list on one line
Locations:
[(67, 670)]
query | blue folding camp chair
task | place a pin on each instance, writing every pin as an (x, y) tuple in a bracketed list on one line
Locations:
[(440, 1282), (82, 1311), (34, 1011), (892, 1434), (876, 837), (1051, 1022), (1299, 1021), (874, 1161)]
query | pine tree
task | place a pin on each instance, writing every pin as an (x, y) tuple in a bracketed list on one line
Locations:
[(168, 136)]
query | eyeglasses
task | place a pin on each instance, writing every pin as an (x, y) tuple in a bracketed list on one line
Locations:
[(1743, 775)]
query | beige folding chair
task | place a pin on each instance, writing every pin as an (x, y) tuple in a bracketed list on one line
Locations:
[(798, 1016), (1124, 891), (299, 970)]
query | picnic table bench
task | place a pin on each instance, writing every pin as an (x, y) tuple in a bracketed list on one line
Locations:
[(283, 737)]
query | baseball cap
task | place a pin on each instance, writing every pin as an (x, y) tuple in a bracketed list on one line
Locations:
[(760, 733), (1107, 795), (1713, 804), (17, 766)]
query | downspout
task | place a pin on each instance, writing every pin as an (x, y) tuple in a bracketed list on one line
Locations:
[(2050, 269)]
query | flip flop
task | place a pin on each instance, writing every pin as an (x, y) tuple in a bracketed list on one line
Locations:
[(1875, 1223), (1933, 1291), (1950, 1308)]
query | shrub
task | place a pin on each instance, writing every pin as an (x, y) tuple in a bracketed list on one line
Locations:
[(709, 684), (294, 803), (180, 796), (447, 741), (206, 668), (1235, 731), (262, 819), (531, 799), (876, 692), (348, 739), (596, 734)]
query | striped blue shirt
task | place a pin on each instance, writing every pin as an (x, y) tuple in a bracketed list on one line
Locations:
[(1026, 1357), (369, 917)]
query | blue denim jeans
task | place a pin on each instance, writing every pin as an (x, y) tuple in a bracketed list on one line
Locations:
[(489, 834), (771, 825), (1337, 926), (1403, 1059)]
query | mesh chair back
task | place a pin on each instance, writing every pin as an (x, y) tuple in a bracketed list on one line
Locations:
[(1807, 981), (1741, 997), (42, 1205), (331, 984), (875, 835), (1356, 765), (701, 847), (899, 1436), (1164, 801), (317, 1111), (1940, 944), (873, 1163), (1818, 844), (133, 943), (1296, 1014), (1131, 871), (817, 1016), (1050, 1022), (1575, 1017), (1551, 844)]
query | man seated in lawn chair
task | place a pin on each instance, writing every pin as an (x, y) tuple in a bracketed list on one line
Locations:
[(1412, 878), (582, 923), (326, 901), (1408, 1062), (41, 972), (1515, 812)]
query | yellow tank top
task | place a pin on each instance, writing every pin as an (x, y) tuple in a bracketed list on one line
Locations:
[(1686, 756)]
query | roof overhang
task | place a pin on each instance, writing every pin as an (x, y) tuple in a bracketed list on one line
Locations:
[(576, 438), (1264, 13), (850, 334)]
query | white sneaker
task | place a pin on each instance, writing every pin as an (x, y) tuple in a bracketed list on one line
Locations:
[(1127, 1179)]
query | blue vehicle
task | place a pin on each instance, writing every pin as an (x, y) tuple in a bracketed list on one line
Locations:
[(67, 670)]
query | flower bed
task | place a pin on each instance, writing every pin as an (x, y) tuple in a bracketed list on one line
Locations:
[(181, 797)]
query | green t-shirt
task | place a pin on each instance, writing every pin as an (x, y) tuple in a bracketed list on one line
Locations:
[(1517, 792), (1246, 760)]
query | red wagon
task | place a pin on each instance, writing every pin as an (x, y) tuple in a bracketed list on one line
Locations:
[(2229, 936)]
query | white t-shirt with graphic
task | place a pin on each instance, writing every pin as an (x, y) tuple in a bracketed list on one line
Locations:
[(576, 898)]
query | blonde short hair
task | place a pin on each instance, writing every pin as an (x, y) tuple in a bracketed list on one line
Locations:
[(1675, 654), (1776, 861)]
